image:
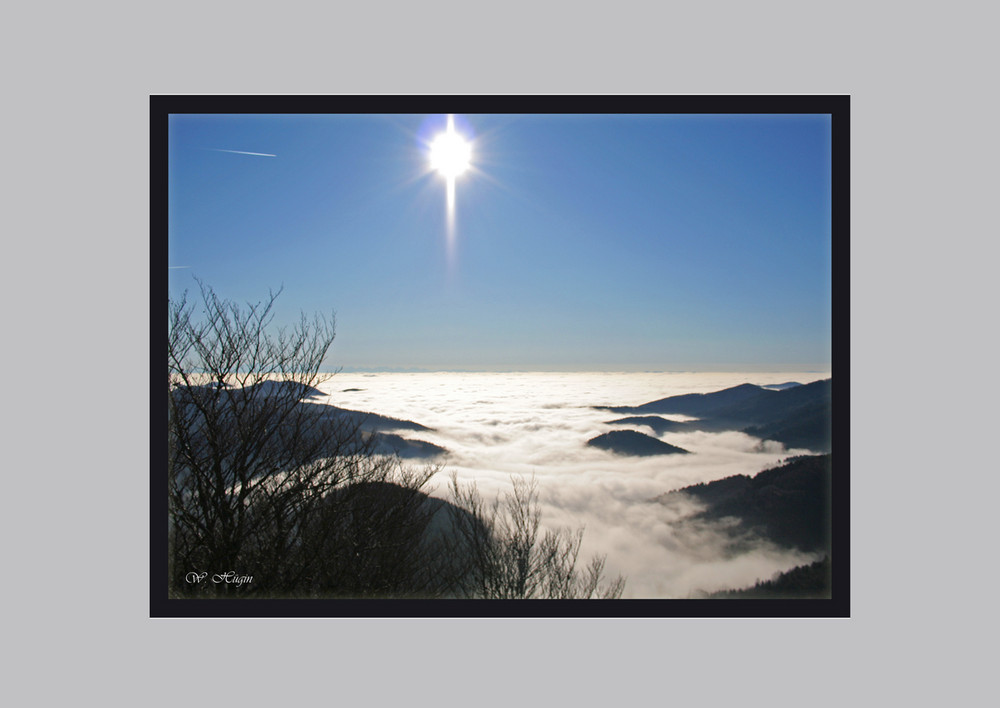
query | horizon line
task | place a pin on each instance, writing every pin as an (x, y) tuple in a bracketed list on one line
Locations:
[(455, 370)]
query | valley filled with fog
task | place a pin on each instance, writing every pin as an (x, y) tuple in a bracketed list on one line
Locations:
[(498, 425)]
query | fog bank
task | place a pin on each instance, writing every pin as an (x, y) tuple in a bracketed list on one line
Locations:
[(495, 425)]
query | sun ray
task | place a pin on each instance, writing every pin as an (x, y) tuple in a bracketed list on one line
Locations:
[(451, 156)]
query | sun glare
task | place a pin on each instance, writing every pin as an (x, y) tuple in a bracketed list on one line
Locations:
[(450, 153)]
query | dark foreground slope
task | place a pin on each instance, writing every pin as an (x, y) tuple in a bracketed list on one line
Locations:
[(788, 505), (363, 540), (813, 581)]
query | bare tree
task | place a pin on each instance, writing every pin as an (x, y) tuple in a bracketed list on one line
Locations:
[(504, 554), (264, 483), (291, 496)]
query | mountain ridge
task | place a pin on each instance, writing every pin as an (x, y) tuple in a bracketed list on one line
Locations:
[(788, 505), (797, 416), (632, 442)]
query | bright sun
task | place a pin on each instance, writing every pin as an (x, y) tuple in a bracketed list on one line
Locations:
[(450, 152)]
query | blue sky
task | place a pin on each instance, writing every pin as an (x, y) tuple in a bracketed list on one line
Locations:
[(611, 242)]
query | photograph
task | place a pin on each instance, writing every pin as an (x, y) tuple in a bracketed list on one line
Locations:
[(476, 356), (508, 351)]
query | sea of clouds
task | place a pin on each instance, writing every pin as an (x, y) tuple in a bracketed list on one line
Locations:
[(496, 425)]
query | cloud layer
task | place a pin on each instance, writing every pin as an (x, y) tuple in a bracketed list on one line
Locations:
[(497, 424)]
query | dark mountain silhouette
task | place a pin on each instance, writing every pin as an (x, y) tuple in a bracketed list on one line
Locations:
[(781, 386), (386, 540), (630, 442), (813, 581), (255, 397), (264, 389), (658, 424), (372, 421), (807, 427), (694, 404), (389, 444), (799, 416), (276, 388), (391, 496), (770, 406), (788, 505)]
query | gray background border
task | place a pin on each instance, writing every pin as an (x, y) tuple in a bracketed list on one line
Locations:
[(76, 128)]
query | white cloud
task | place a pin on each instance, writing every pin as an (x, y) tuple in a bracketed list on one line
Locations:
[(497, 425)]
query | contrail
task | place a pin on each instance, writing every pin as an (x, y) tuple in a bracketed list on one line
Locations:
[(243, 152), (172, 267)]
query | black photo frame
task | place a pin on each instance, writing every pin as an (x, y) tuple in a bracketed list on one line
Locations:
[(837, 107)]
